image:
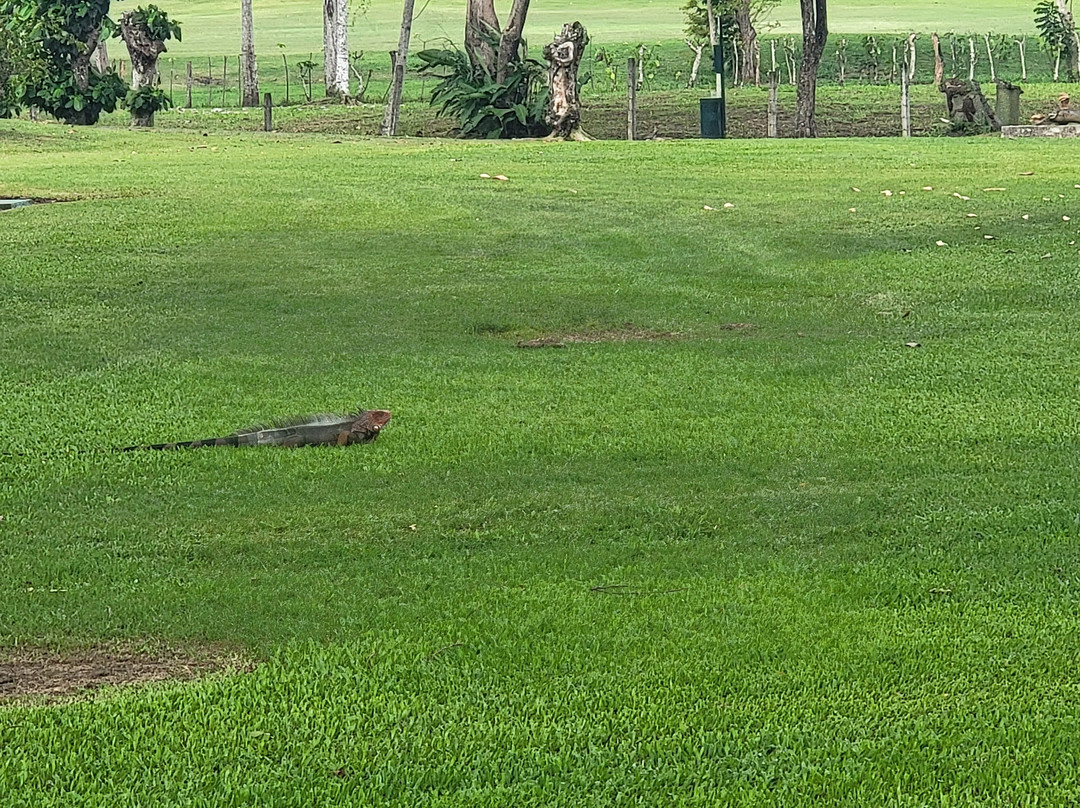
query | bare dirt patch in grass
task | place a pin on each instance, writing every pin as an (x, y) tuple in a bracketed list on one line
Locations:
[(626, 333), (37, 675)]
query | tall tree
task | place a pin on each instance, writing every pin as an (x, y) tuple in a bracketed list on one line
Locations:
[(336, 48), (492, 48), (249, 67), (401, 56), (744, 20), (815, 33)]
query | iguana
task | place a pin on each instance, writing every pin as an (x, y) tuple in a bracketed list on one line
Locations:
[(310, 430)]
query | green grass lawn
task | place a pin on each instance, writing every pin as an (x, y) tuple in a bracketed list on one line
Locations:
[(774, 557), (213, 26)]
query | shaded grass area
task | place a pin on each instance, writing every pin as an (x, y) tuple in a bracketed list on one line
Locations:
[(793, 563)]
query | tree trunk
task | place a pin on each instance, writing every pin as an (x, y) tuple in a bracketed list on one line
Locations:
[(939, 62), (815, 34), (336, 48), (80, 66), (100, 58), (481, 26), (697, 48), (564, 108), (393, 104), (144, 51), (510, 40), (748, 38), (249, 68)]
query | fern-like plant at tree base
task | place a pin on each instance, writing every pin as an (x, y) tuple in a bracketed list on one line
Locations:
[(483, 107)]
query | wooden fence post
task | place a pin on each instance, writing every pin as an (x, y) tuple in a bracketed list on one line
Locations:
[(268, 113), (774, 79), (905, 102), (189, 81), (631, 99)]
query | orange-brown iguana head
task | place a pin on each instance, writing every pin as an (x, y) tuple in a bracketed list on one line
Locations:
[(368, 424)]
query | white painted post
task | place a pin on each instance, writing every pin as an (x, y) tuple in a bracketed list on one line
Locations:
[(774, 129), (905, 102)]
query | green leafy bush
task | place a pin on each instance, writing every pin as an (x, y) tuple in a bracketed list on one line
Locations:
[(146, 101), (65, 32)]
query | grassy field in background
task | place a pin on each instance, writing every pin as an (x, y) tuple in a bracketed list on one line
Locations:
[(212, 27), (735, 543)]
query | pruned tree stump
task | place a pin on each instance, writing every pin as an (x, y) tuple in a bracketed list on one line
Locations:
[(564, 54), (967, 104), (144, 49)]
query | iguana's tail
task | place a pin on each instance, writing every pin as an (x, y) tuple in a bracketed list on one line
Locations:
[(228, 440)]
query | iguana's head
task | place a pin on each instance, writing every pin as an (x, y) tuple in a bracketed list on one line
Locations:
[(368, 424)]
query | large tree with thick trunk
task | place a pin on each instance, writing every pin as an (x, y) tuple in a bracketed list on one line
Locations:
[(336, 48), (65, 33), (249, 68), (492, 48), (815, 33)]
